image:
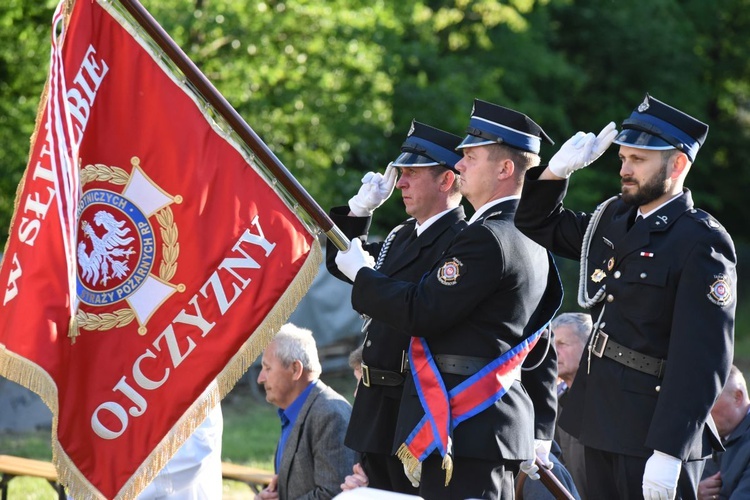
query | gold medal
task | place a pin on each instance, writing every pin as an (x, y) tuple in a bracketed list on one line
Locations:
[(610, 263), (598, 276)]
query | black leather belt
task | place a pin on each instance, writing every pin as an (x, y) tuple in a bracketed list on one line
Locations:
[(455, 364), (375, 376), (602, 345)]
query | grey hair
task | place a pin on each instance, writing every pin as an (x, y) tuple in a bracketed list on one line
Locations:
[(736, 378), (293, 343), (580, 323)]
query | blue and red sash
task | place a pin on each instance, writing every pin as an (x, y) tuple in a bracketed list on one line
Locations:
[(444, 409)]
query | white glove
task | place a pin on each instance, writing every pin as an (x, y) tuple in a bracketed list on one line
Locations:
[(353, 259), (581, 150), (660, 476), (376, 188), (414, 477), (541, 451)]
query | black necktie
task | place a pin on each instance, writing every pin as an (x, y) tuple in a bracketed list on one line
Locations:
[(637, 218)]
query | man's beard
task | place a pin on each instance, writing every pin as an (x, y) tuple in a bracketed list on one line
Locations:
[(648, 192)]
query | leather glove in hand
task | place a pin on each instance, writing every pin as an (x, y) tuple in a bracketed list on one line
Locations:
[(376, 188), (353, 259), (415, 476), (660, 476), (581, 150), (541, 451)]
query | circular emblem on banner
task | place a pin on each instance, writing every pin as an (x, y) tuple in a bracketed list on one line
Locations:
[(449, 272), (720, 292), (124, 236), (115, 248)]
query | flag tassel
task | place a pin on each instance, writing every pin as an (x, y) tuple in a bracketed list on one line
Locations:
[(73, 330)]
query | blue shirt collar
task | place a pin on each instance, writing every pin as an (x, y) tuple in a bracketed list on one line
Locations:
[(288, 417), (291, 413)]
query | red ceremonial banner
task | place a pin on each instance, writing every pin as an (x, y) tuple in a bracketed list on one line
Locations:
[(144, 218)]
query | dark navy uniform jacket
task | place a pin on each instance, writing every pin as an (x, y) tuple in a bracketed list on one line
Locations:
[(375, 408), (670, 294), (488, 292)]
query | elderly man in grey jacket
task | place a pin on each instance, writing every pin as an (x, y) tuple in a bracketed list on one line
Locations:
[(727, 476), (311, 460)]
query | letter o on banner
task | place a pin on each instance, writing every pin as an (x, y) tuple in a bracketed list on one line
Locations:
[(116, 410)]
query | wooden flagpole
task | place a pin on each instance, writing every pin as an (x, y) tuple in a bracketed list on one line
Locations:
[(551, 482), (247, 134)]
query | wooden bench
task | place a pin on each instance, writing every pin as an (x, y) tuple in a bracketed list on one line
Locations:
[(11, 467), (257, 479)]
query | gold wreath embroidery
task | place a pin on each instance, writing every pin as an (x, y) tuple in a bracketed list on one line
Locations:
[(103, 173), (105, 321)]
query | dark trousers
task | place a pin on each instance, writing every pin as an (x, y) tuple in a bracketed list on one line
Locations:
[(472, 478), (386, 472), (613, 476)]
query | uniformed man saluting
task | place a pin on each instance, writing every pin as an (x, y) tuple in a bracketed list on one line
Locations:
[(468, 415), (429, 189), (659, 276)]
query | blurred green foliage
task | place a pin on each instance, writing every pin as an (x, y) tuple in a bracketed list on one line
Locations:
[(332, 86)]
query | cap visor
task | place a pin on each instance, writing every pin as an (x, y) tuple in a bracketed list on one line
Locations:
[(414, 160), (471, 141), (641, 140)]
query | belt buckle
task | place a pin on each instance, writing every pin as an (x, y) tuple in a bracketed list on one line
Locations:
[(597, 348), (365, 375)]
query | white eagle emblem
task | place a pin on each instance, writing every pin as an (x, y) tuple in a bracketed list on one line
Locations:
[(102, 263)]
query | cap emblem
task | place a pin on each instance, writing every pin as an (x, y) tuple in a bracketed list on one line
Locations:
[(644, 105)]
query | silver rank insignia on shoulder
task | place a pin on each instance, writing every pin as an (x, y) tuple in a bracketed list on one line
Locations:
[(598, 276), (449, 272)]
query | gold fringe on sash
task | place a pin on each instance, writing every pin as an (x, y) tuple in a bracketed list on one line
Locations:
[(407, 458), (411, 462), (448, 468)]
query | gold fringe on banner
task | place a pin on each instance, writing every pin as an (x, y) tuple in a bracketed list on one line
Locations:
[(73, 331), (272, 323)]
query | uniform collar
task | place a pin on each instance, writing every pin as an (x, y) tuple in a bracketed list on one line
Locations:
[(421, 228), (663, 217), (646, 214), (485, 208)]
